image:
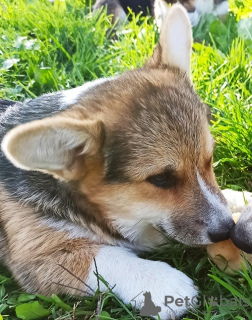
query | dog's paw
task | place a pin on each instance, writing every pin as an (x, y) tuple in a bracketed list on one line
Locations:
[(164, 291), (237, 200), (152, 287)]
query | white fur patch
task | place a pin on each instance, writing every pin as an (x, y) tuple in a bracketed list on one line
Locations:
[(212, 198), (133, 276), (140, 232), (215, 202), (74, 231), (71, 96), (93, 233), (136, 223)]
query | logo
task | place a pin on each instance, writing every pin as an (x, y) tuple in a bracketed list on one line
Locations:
[(198, 301), (149, 308)]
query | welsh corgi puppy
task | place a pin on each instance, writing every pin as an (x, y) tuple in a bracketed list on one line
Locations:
[(95, 174)]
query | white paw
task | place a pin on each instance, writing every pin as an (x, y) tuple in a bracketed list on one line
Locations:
[(163, 289), (237, 200), (152, 286)]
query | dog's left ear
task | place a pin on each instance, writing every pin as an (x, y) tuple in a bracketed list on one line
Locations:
[(54, 145), (175, 43)]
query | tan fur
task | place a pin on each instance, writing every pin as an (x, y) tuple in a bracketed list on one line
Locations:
[(36, 251), (110, 198)]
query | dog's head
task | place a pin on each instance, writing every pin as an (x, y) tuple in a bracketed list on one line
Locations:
[(138, 146)]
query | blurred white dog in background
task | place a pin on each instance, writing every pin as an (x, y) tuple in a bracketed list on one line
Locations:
[(119, 9)]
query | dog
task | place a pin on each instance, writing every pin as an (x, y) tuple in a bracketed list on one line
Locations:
[(93, 175), (119, 9)]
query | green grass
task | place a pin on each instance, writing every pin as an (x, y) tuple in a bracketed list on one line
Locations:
[(62, 46)]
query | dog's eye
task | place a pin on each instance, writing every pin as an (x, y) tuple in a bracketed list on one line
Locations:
[(165, 180)]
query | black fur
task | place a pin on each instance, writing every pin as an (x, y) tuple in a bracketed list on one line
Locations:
[(4, 104), (137, 6)]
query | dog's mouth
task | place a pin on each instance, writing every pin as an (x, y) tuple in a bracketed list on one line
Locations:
[(193, 238), (186, 239)]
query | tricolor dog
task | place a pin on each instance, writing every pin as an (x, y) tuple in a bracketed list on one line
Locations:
[(106, 170)]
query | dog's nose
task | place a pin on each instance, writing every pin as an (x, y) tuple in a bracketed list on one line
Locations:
[(223, 233), (217, 237), (240, 241)]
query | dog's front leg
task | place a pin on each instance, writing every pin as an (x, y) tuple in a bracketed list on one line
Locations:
[(131, 277), (46, 260)]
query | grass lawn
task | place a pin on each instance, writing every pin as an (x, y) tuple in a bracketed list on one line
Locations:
[(45, 47)]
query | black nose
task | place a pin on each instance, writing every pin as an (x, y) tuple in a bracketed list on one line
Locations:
[(222, 234), (239, 240)]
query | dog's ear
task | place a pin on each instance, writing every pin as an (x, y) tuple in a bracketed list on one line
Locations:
[(175, 43), (53, 145)]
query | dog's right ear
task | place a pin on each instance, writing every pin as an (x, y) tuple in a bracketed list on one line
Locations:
[(175, 43), (53, 145)]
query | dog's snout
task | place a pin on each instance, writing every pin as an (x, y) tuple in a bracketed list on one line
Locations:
[(240, 241), (222, 233)]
